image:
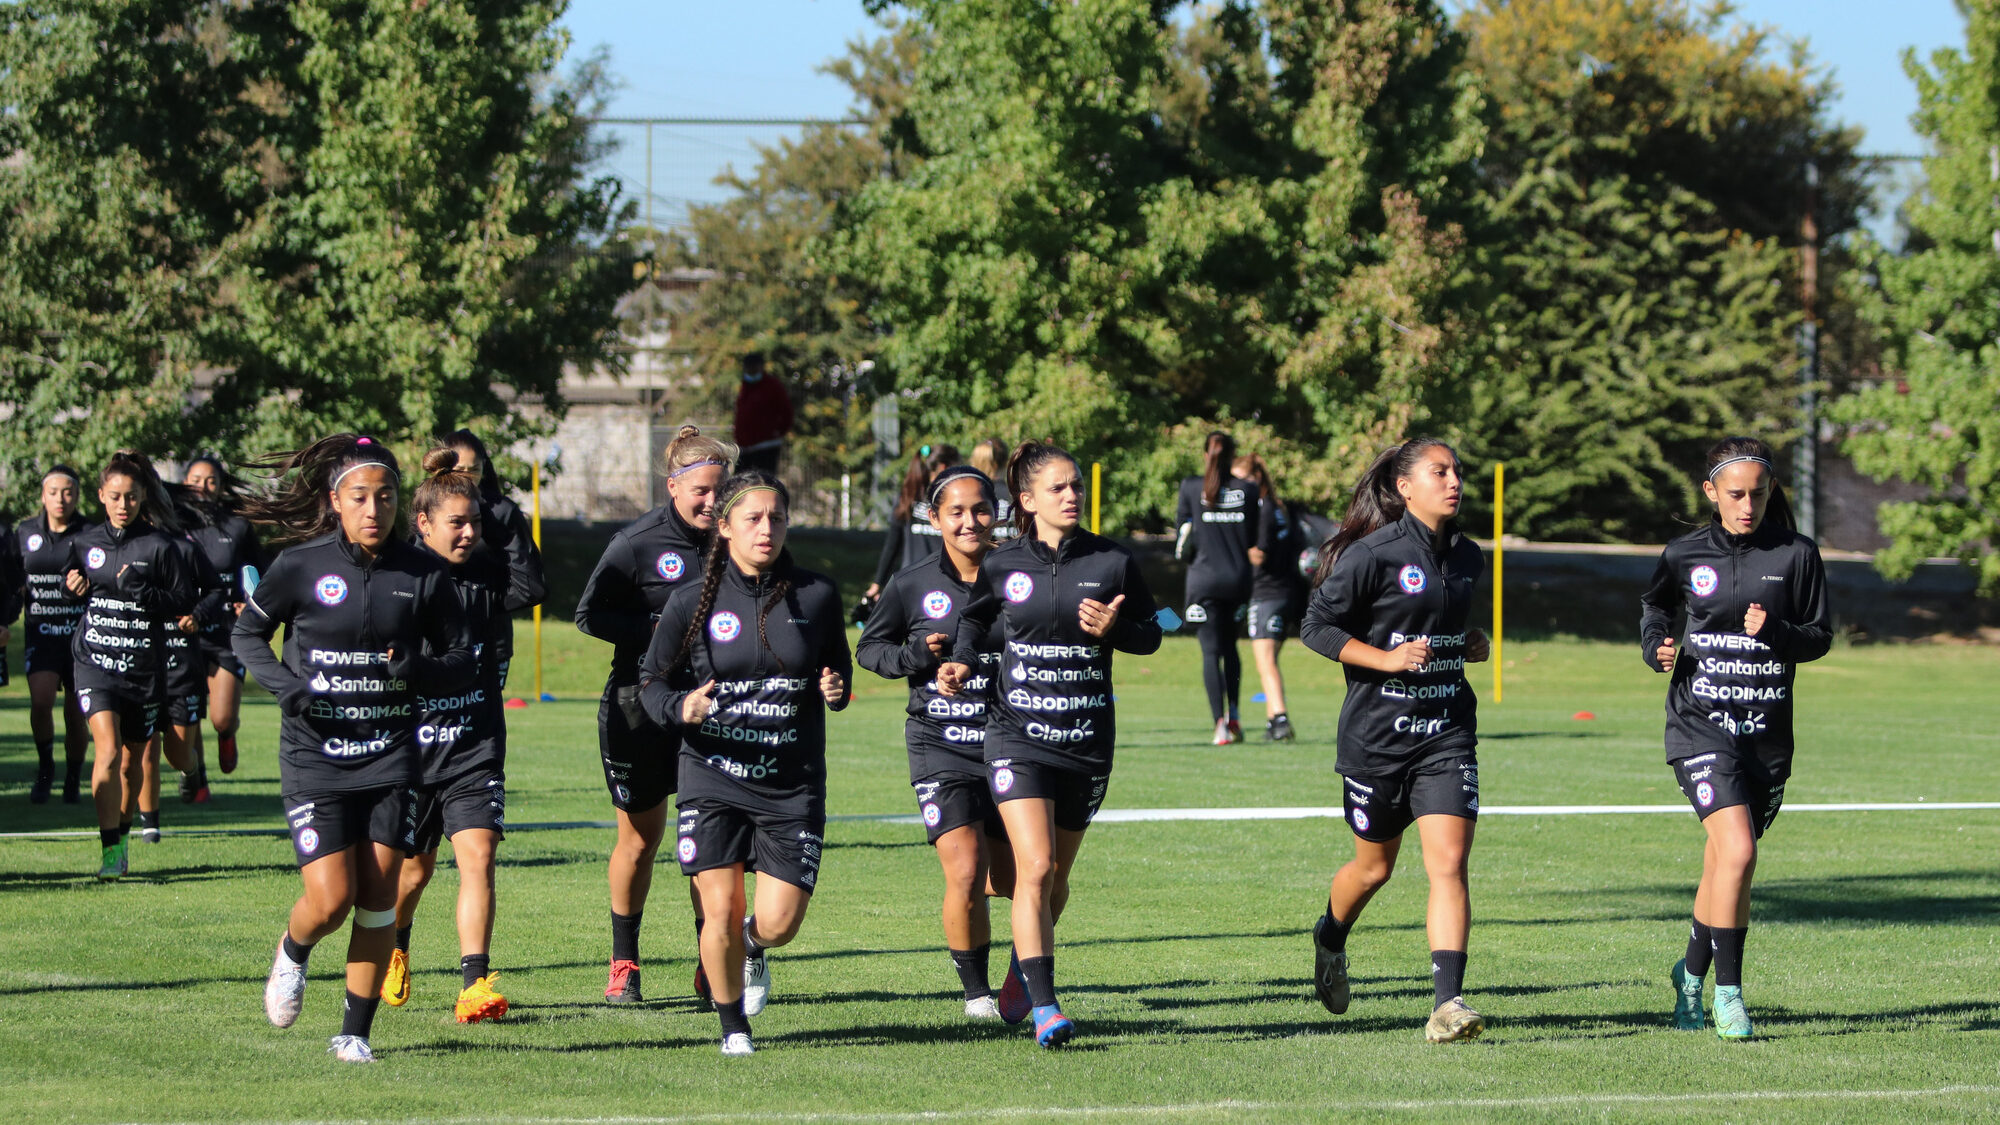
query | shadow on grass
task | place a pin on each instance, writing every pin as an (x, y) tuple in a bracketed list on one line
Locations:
[(1884, 898)]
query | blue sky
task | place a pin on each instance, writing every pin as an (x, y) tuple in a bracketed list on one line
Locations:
[(757, 58)]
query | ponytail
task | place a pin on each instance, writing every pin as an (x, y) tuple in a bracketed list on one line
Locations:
[(1028, 460), (155, 506), (443, 479), (717, 558), (297, 508), (1376, 504), (1220, 450)]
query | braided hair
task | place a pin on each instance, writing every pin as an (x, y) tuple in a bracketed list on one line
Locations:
[(298, 507), (718, 558)]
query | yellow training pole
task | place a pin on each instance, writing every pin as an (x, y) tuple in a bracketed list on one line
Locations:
[(535, 487), (1096, 482), (1499, 565)]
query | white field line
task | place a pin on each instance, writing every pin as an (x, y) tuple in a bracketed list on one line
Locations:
[(1202, 1109), (1137, 816)]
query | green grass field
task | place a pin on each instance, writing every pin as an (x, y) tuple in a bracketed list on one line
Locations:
[(1872, 966)]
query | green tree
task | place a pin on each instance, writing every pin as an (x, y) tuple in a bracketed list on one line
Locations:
[(1936, 422)]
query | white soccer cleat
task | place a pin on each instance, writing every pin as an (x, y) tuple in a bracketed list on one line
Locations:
[(756, 984), (982, 1008), (737, 1044), (351, 1049), (285, 991)]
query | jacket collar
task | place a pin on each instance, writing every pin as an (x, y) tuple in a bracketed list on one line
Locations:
[(353, 553), (1071, 546), (1765, 535), (1439, 541)]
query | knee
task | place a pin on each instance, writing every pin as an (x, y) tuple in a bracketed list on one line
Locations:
[(1736, 853), (1034, 874), (1371, 873)]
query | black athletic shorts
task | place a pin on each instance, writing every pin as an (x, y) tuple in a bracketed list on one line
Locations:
[(1273, 619), (1077, 796), (187, 708), (641, 761), (1220, 610), (474, 799), (711, 834), (214, 659), (1445, 782), (325, 824), (138, 716), (49, 654), (1718, 781), (947, 803)]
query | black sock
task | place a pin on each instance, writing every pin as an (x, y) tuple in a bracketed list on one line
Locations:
[(751, 946), (45, 756), (358, 1015), (124, 829), (733, 1019), (298, 953), (1040, 973), (1701, 949), (1729, 955), (403, 938), (73, 772), (109, 837), (972, 970), (472, 966), (149, 820), (625, 936), (1332, 932), (1447, 973)]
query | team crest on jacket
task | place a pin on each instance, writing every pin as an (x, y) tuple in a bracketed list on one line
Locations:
[(1019, 586), (35, 542), (1411, 579), (937, 604), (1704, 580), (95, 558), (725, 626), (671, 566), (331, 589)]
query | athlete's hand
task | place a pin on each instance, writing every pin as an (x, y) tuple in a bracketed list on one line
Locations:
[(1096, 617), (187, 624), (698, 704), (872, 590), (76, 583), (1664, 655), (1256, 556), (1410, 656), (832, 688), (939, 644), (1754, 619), (1478, 646), (951, 677)]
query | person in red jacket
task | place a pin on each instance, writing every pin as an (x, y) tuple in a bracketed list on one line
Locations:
[(763, 416)]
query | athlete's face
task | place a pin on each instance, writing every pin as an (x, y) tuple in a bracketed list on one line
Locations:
[(59, 494), (451, 528), (202, 477), (1740, 494), (121, 497), (1055, 495), (365, 503), (965, 518), (693, 494), (468, 461), (755, 529), (1432, 488)]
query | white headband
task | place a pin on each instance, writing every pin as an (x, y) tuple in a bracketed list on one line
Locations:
[(1736, 460), (335, 486)]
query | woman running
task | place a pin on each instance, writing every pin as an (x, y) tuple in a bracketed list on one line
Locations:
[(990, 457), (462, 740), (653, 556), (1393, 593), (1064, 598), (1218, 523), (747, 664), (136, 582), (1276, 592), (911, 538), (909, 635), (1752, 591), (367, 618), (178, 735), (48, 625), (231, 545)]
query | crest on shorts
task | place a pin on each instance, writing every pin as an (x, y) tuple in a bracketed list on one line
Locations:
[(1360, 820), (1019, 586), (1411, 579), (95, 558), (671, 566), (1196, 614), (331, 589), (725, 626), (309, 840), (35, 542), (937, 604), (1703, 580), (1705, 793), (932, 816), (624, 795), (686, 849), (1003, 780)]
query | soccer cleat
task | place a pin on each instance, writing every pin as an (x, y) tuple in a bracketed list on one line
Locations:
[(1235, 730), (190, 785), (38, 793), (737, 1044), (1329, 973), (1052, 1028), (1732, 1021), (701, 990), (1279, 729), (624, 986), (150, 833), (756, 984), (396, 984), (225, 752), (481, 1001), (351, 1049), (1013, 1003), (285, 991), (1687, 999), (1454, 1022), (982, 1008), (201, 794), (114, 864), (1222, 735)]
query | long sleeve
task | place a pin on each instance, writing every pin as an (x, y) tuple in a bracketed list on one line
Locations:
[(168, 592), (886, 647), (445, 661), (1659, 611), (611, 608), (657, 694), (251, 638), (892, 552), (212, 605), (974, 621), (1136, 631), (527, 583), (1329, 620), (833, 649), (1806, 633), (13, 575)]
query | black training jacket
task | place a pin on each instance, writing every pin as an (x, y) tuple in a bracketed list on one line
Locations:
[(229, 545), (1732, 692), (13, 574), (1401, 582), (642, 566), (763, 745), (186, 667), (51, 610), (1223, 535), (507, 558), (465, 730), (350, 717), (907, 543), (140, 582), (1052, 703), (946, 735), (1277, 579)]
